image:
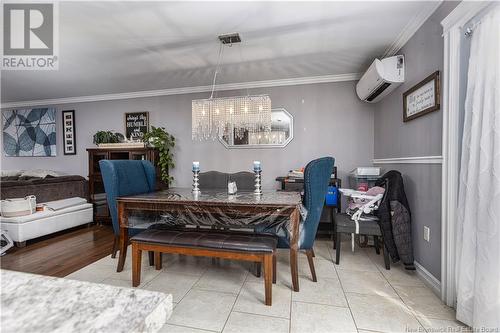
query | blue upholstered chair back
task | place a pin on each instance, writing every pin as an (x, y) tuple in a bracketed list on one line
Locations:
[(125, 177), (316, 179)]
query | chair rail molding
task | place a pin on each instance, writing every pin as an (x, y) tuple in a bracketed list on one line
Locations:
[(452, 25), (409, 160)]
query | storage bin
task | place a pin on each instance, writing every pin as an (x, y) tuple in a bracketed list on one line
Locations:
[(331, 198), (362, 183)]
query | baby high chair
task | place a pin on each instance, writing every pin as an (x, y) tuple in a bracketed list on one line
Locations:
[(362, 221)]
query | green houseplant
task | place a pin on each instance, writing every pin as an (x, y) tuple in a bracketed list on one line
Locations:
[(160, 139), (108, 137)]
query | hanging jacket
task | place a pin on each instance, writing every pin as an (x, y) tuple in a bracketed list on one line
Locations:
[(395, 219)]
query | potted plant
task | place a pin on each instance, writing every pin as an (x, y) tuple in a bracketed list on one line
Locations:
[(160, 139), (108, 137)]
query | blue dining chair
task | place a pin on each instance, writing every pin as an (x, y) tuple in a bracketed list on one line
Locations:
[(121, 178), (316, 180)]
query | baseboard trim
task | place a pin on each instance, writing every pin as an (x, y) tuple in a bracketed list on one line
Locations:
[(430, 280), (410, 160)]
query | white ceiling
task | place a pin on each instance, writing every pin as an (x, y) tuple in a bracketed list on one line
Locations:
[(116, 47)]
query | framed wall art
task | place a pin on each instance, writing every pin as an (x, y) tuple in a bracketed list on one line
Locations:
[(422, 98), (136, 125), (29, 132), (69, 132)]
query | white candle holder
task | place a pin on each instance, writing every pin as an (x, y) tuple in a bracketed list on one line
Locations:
[(258, 185), (196, 189)]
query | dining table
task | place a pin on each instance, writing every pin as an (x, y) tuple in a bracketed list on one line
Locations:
[(273, 211)]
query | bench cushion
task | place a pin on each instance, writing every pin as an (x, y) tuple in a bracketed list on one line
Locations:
[(209, 240)]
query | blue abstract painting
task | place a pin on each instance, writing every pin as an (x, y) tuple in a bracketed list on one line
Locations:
[(29, 132)]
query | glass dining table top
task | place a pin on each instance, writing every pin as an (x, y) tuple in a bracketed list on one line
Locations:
[(212, 207), (179, 194)]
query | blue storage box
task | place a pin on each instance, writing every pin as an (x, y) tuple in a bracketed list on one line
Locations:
[(331, 197)]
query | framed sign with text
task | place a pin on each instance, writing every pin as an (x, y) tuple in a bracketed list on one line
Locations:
[(69, 132), (422, 98), (136, 124)]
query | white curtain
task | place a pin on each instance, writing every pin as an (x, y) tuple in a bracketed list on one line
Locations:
[(478, 236)]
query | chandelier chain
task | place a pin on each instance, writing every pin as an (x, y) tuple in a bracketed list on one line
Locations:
[(243, 63), (217, 68)]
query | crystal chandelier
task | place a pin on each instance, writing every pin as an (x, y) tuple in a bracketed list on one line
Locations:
[(243, 115)]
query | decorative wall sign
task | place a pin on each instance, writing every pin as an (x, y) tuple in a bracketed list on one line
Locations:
[(30, 132), (422, 98), (136, 124), (69, 132)]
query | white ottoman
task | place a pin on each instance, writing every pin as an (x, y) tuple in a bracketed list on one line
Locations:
[(23, 228)]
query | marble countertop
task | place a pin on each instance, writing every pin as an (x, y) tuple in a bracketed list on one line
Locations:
[(35, 303)]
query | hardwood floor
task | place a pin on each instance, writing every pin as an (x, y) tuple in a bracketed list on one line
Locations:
[(62, 253)]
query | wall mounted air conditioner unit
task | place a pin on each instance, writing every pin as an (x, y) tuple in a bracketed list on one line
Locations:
[(382, 77)]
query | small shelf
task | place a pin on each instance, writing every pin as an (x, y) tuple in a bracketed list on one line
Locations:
[(136, 156), (119, 155), (94, 164)]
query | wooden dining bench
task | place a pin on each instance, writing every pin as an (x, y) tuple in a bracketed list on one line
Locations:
[(259, 248)]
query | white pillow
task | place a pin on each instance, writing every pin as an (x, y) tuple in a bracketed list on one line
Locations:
[(11, 173), (38, 173)]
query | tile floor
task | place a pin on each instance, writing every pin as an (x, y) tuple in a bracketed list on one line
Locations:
[(358, 295)]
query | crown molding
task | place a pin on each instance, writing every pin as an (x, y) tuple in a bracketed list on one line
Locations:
[(411, 28), (410, 160), (186, 90)]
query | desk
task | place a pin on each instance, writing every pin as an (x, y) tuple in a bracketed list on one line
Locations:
[(180, 207)]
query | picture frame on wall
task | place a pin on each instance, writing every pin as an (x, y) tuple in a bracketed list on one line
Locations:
[(29, 132), (136, 125), (69, 132), (422, 98)]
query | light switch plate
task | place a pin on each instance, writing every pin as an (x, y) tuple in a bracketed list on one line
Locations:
[(427, 233)]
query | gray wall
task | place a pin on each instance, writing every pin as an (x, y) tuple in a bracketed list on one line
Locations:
[(418, 137), (329, 120)]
